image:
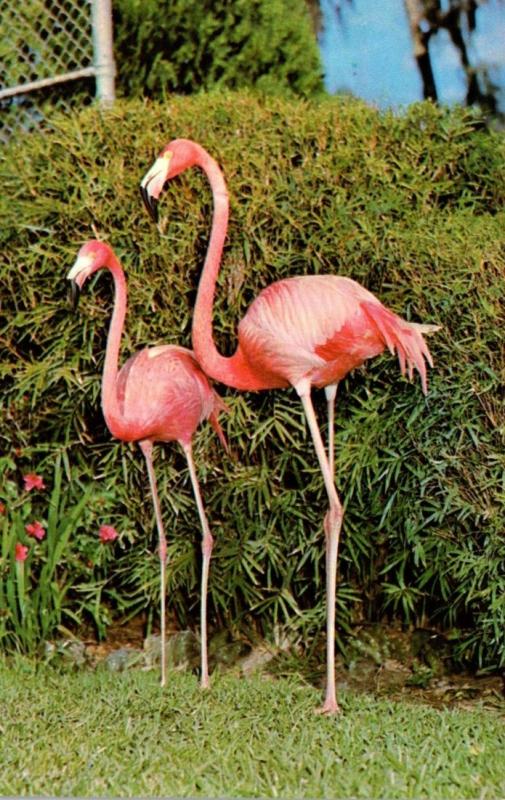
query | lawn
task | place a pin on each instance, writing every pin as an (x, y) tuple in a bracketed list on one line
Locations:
[(92, 733)]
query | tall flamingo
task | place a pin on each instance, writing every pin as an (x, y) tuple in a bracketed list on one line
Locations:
[(159, 395), (303, 331)]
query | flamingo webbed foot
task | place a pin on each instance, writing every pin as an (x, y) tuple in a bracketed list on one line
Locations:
[(329, 708)]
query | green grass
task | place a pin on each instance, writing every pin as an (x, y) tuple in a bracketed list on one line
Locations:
[(97, 733)]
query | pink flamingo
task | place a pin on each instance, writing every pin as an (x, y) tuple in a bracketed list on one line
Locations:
[(302, 332), (159, 395)]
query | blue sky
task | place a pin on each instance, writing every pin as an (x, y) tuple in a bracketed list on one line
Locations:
[(369, 52)]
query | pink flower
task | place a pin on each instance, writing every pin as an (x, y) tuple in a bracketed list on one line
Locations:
[(36, 530), (21, 553), (33, 481), (107, 533)]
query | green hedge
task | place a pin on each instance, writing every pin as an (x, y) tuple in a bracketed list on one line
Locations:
[(184, 47), (412, 207)]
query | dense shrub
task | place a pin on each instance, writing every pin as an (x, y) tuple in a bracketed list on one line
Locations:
[(412, 207), (184, 47)]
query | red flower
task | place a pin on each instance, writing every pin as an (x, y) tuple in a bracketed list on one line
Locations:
[(33, 481), (36, 530), (21, 553), (2, 508), (107, 533)]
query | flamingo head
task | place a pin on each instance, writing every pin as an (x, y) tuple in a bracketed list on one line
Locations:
[(175, 157), (92, 256)]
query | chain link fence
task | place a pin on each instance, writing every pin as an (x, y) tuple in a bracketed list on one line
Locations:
[(50, 53)]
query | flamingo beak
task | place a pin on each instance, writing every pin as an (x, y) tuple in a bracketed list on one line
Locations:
[(153, 183), (151, 203), (74, 295), (77, 275)]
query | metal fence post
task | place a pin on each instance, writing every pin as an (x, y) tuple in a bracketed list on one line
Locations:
[(105, 68)]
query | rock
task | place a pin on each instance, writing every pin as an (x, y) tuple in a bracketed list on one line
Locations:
[(73, 651), (258, 658), (432, 649), (183, 650), (225, 651), (123, 658)]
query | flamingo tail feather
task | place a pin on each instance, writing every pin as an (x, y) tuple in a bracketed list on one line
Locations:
[(404, 338)]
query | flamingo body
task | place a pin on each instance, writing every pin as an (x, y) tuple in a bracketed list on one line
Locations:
[(163, 396), (317, 328)]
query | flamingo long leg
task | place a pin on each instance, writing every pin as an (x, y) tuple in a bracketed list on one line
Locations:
[(332, 525), (207, 544), (331, 393), (147, 447)]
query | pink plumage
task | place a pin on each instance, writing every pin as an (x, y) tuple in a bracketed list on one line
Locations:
[(163, 395), (319, 327)]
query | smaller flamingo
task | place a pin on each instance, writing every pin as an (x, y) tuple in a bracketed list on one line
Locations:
[(159, 395)]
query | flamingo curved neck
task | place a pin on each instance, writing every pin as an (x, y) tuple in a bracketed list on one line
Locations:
[(234, 370), (110, 405)]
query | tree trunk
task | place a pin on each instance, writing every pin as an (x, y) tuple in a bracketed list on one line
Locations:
[(420, 39)]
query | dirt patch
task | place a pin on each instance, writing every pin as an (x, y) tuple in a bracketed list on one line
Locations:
[(385, 660), (417, 664)]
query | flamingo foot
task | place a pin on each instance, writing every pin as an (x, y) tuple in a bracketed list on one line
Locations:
[(329, 708), (204, 682)]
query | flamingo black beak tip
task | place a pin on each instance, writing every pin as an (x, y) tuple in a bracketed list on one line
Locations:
[(150, 203), (75, 293)]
